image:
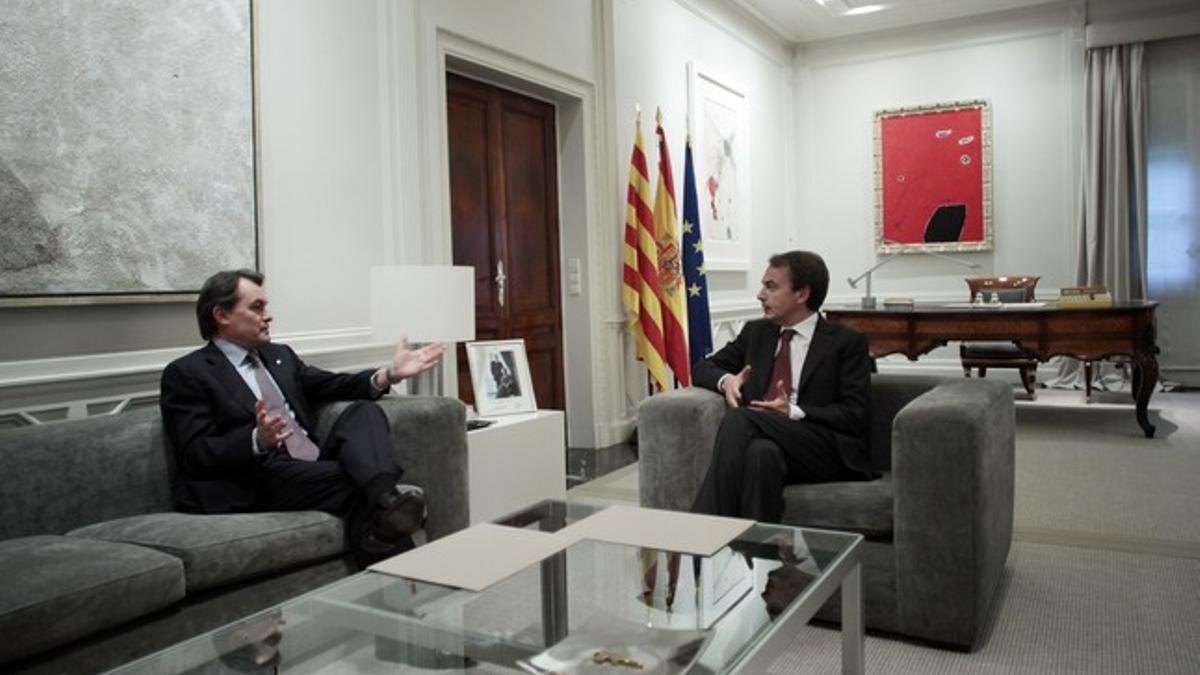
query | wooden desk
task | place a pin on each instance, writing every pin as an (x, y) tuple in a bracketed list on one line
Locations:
[(1125, 329)]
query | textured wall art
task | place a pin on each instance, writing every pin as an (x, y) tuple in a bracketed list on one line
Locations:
[(127, 148), (933, 189), (717, 111)]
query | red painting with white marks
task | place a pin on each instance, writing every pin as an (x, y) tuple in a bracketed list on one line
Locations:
[(932, 177)]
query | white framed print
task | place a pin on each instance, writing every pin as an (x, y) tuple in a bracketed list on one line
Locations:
[(717, 117), (500, 377)]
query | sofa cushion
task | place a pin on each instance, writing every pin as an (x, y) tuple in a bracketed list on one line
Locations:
[(68, 474), (221, 549), (56, 589), (861, 506)]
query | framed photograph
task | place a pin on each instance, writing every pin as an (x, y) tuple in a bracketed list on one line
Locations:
[(720, 144), (500, 377), (933, 178), (127, 153)]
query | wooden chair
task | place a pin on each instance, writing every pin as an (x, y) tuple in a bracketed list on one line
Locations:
[(986, 354)]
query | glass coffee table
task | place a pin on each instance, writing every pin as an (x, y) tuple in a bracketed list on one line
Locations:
[(596, 607)]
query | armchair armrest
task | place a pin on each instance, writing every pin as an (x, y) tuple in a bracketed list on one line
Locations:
[(676, 430), (952, 462), (429, 438)]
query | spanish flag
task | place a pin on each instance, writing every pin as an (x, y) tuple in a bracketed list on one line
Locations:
[(641, 290), (670, 273)]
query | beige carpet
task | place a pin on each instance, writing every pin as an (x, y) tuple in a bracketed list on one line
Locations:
[(1059, 610), (1104, 573)]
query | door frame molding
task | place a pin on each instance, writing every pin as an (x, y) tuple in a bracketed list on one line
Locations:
[(597, 414)]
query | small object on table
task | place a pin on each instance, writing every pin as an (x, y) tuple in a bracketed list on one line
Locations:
[(1085, 296), (898, 303), (603, 657)]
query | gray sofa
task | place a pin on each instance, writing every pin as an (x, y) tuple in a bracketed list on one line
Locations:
[(96, 568), (938, 524)]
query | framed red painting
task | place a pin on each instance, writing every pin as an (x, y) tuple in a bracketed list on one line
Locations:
[(933, 186)]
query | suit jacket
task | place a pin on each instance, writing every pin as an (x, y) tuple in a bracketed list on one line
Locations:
[(208, 417), (834, 389)]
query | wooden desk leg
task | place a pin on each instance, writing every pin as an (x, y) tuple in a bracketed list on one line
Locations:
[(1145, 379)]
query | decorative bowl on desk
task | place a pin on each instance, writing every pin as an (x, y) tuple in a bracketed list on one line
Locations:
[(1004, 289)]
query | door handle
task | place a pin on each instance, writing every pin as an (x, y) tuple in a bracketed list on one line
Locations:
[(500, 279)]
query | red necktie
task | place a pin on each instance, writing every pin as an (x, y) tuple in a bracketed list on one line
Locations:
[(781, 372), (298, 444)]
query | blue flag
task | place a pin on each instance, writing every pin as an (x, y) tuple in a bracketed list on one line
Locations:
[(695, 280)]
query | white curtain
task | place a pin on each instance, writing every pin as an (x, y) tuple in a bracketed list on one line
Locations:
[(1112, 227), (1112, 242)]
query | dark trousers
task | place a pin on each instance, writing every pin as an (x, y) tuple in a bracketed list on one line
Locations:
[(356, 463), (756, 454)]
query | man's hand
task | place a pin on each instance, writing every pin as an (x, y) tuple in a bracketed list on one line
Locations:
[(780, 405), (732, 387), (272, 429), (409, 361)]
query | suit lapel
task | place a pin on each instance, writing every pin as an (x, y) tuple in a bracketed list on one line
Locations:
[(224, 372), (765, 362), (821, 342)]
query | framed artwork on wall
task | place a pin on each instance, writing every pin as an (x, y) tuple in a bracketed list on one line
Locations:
[(127, 153), (500, 377), (933, 185), (720, 143)]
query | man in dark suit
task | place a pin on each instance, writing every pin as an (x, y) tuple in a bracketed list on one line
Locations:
[(798, 390), (238, 413)]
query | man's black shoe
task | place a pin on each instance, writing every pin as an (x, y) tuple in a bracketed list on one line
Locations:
[(400, 512)]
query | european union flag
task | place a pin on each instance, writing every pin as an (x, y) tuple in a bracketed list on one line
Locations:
[(695, 280)]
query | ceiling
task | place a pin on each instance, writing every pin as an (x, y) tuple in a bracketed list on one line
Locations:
[(807, 20)]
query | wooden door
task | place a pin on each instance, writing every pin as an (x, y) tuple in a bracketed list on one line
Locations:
[(504, 216)]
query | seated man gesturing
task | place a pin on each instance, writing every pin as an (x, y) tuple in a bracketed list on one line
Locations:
[(798, 391), (238, 414)]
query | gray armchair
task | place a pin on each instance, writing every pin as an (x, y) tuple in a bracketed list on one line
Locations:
[(938, 524)]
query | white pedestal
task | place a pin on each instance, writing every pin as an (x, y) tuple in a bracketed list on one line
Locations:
[(518, 460)]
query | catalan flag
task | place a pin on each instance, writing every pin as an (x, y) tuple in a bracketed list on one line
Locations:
[(694, 278), (674, 307), (640, 276)]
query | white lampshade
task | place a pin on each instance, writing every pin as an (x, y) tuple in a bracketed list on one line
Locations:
[(425, 303)]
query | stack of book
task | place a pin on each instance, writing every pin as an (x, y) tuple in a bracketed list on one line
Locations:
[(1085, 296)]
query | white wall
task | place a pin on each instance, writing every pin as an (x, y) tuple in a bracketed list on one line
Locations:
[(1027, 64), (320, 156), (352, 169), (657, 40)]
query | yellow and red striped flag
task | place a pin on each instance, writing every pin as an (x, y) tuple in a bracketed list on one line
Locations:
[(641, 291), (670, 273)]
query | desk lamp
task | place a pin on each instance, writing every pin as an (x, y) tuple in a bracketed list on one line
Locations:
[(868, 300)]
